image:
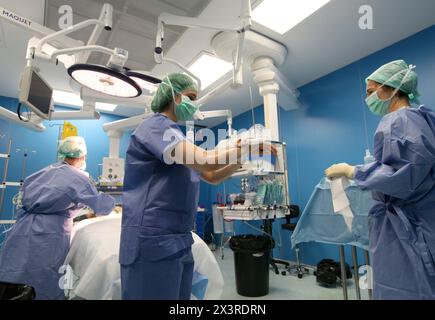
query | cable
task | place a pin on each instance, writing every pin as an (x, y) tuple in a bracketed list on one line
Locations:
[(7, 230), (252, 105), (257, 229), (298, 178), (364, 108), (279, 244), (225, 195), (279, 122), (19, 113), (280, 237)]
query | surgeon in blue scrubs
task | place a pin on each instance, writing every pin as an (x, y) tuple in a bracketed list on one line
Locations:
[(160, 198), (36, 247), (402, 221)]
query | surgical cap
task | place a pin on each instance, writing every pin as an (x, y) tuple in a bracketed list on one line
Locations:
[(180, 82), (72, 147), (392, 74)]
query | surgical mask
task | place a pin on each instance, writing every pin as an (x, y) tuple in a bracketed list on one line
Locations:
[(83, 166), (379, 106), (82, 169), (185, 110)]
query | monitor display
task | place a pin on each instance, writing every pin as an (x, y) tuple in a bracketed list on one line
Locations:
[(36, 93), (40, 94)]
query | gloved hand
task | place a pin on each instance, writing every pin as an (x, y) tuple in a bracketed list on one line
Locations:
[(340, 170)]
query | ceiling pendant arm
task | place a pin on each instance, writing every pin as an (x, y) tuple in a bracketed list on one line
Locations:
[(93, 48), (240, 25), (105, 21)]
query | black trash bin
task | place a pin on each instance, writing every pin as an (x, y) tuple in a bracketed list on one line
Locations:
[(251, 262), (14, 291)]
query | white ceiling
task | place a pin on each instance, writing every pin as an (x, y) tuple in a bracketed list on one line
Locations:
[(323, 43), (134, 25)]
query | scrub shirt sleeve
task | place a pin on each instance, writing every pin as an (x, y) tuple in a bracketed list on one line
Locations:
[(407, 153), (99, 202), (161, 140)]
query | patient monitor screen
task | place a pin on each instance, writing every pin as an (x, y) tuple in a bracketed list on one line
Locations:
[(40, 94), (36, 93)]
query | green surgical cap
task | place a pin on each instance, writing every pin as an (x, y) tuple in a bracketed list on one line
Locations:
[(392, 74), (72, 147), (180, 82)]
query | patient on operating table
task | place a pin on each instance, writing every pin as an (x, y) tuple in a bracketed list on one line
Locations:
[(117, 209), (87, 213)]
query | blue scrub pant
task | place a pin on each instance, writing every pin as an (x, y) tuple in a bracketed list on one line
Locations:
[(167, 279)]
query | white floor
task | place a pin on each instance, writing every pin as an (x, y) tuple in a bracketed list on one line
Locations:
[(288, 287)]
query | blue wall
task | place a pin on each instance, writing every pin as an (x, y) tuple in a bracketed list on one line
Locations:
[(44, 145), (334, 125)]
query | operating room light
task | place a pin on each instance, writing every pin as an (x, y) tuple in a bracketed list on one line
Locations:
[(71, 99), (151, 88), (282, 15), (209, 69), (67, 98), (104, 80), (144, 81), (105, 106)]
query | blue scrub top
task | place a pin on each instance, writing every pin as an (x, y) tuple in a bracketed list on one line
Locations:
[(160, 199)]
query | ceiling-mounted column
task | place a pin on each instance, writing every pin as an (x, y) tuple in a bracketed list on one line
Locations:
[(263, 55), (114, 143), (265, 78)]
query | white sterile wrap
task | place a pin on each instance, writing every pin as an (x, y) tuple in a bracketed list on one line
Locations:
[(340, 201)]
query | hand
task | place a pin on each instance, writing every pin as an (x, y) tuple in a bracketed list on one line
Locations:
[(267, 149), (262, 149), (340, 170), (90, 214), (259, 149), (241, 152), (239, 144)]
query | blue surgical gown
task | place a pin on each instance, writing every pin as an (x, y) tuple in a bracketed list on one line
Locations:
[(37, 245), (402, 221), (160, 201)]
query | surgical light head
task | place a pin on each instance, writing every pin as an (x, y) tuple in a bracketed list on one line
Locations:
[(144, 81), (105, 80)]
